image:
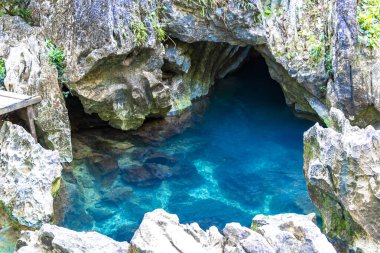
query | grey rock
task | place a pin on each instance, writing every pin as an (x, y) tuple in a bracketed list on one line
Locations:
[(292, 233), (29, 72), (162, 232), (51, 238), (341, 165), (29, 175)]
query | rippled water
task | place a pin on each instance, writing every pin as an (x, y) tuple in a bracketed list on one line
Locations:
[(239, 156)]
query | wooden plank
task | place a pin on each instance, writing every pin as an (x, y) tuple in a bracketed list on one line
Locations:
[(30, 115), (20, 105), (8, 94), (5, 102)]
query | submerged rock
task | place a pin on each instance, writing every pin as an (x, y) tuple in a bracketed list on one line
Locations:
[(52, 238), (341, 166), (29, 176)]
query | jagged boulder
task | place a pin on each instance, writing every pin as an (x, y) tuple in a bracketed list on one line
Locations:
[(342, 170), (292, 233), (162, 232), (29, 176), (52, 238), (30, 72)]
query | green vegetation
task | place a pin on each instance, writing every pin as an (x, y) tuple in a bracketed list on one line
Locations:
[(320, 49), (16, 8), (368, 15), (328, 63), (316, 50), (57, 59), (140, 31), (206, 6), (2, 72)]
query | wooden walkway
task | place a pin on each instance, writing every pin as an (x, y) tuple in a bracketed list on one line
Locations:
[(10, 102)]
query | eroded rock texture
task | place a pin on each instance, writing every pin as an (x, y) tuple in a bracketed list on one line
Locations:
[(52, 238), (29, 176), (312, 49), (341, 166), (29, 72), (162, 232)]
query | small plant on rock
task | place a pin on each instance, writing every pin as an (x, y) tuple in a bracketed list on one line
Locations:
[(16, 8), (2, 72), (368, 15), (57, 59), (140, 31)]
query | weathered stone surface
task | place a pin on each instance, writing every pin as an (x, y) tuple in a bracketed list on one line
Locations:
[(162, 232), (356, 86), (292, 233), (341, 166), (29, 176), (52, 238), (241, 239), (311, 48), (29, 72), (193, 68)]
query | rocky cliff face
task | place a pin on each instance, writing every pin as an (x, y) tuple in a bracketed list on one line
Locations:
[(29, 72), (341, 166), (118, 66), (29, 177), (312, 50)]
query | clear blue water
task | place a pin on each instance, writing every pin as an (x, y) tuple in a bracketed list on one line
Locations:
[(240, 157)]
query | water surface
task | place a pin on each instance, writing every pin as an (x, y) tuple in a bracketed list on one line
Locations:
[(240, 155)]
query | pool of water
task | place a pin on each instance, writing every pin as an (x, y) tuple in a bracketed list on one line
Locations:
[(237, 156)]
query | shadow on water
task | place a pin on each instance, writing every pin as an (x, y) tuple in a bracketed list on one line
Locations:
[(239, 153)]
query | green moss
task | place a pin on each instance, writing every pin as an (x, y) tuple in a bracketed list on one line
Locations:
[(133, 249), (337, 222), (55, 187), (13, 222), (368, 16)]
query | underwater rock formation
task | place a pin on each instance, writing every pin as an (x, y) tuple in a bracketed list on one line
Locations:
[(29, 176), (52, 238), (341, 166), (29, 72)]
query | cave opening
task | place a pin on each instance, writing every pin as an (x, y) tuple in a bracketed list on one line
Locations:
[(236, 153)]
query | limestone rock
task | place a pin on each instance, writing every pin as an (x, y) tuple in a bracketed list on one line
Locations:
[(292, 233), (162, 232), (51, 238), (29, 72), (29, 175), (241, 239), (193, 68), (341, 166)]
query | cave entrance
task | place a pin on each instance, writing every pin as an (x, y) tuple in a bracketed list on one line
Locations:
[(235, 154)]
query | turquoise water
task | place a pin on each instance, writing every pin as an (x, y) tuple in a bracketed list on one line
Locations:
[(240, 155)]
